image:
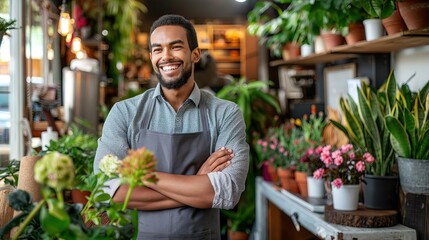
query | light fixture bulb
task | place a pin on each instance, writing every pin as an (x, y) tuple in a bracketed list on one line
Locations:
[(240, 1), (76, 45), (64, 24)]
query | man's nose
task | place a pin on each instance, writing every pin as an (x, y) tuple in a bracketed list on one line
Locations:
[(167, 55)]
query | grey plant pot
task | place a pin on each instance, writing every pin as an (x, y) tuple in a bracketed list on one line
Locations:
[(413, 175)]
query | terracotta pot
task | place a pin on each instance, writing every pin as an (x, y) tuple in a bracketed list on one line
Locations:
[(237, 235), (394, 23), (291, 51), (273, 173), (414, 13), (287, 179), (356, 33), (301, 180), (26, 180), (79, 196), (6, 212), (332, 40)]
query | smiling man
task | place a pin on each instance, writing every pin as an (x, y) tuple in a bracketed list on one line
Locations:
[(198, 140)]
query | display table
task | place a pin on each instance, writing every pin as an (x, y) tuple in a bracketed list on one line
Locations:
[(314, 222)]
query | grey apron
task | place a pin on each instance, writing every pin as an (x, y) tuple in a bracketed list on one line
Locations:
[(179, 153)]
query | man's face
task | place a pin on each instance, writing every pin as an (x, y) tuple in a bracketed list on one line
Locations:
[(171, 57)]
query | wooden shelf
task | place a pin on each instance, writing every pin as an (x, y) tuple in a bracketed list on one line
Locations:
[(386, 44), (217, 40)]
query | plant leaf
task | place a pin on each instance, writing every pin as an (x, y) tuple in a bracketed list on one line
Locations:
[(398, 137)]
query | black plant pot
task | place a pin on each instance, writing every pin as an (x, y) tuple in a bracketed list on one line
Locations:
[(380, 192)]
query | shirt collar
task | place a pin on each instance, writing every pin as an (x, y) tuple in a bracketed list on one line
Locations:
[(195, 94)]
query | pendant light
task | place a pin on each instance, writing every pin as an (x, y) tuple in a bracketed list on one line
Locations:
[(64, 24), (76, 44)]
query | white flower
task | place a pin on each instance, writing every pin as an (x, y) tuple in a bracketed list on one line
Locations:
[(109, 165)]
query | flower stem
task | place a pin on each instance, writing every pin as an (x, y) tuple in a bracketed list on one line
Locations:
[(28, 219), (127, 198)]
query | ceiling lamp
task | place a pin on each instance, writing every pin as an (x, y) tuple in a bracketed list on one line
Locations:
[(240, 1), (65, 24)]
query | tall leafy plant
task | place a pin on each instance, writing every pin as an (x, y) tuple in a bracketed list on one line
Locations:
[(408, 120), (254, 104), (121, 18), (365, 127)]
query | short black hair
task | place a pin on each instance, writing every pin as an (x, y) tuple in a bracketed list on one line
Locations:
[(176, 20)]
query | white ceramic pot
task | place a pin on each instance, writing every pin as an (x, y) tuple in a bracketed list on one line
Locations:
[(319, 45), (315, 187), (306, 50), (373, 29), (346, 198)]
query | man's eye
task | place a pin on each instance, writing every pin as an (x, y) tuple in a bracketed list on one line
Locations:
[(156, 50), (177, 47)]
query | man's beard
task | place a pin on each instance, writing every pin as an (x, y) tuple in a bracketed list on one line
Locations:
[(176, 83)]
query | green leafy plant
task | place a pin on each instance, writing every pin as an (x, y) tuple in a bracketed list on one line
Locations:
[(255, 104), (376, 8), (81, 147), (408, 121), (253, 101), (5, 26), (366, 129), (120, 19), (54, 218), (9, 173)]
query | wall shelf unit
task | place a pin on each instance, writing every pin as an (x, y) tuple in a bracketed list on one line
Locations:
[(227, 45), (386, 44)]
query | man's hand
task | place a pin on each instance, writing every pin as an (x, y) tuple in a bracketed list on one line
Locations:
[(218, 161)]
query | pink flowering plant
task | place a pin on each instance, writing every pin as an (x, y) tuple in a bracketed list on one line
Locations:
[(343, 166), (310, 162), (269, 148)]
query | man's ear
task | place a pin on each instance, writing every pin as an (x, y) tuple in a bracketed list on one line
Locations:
[(196, 55)]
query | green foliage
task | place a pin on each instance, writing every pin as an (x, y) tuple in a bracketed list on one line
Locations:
[(6, 25), (9, 174), (255, 105), (407, 120), (63, 222), (365, 127), (81, 147), (376, 8), (120, 20)]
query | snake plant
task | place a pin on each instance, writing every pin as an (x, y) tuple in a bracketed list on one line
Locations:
[(408, 121), (365, 127)]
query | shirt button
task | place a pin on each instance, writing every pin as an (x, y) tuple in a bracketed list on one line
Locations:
[(177, 120)]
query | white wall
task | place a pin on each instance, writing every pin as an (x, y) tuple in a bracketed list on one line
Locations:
[(410, 61)]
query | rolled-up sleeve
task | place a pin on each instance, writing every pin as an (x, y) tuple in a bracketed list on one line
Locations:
[(230, 183)]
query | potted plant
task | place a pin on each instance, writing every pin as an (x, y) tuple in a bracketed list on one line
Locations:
[(312, 130), (365, 128), (6, 25), (275, 30), (81, 147), (376, 11), (52, 217), (257, 107), (344, 168), (408, 125)]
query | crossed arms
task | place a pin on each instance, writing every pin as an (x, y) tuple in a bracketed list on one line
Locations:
[(174, 190)]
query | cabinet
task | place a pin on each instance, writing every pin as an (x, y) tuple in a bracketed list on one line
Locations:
[(227, 45)]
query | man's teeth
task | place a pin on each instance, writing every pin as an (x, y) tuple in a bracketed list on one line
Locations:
[(169, 68)]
